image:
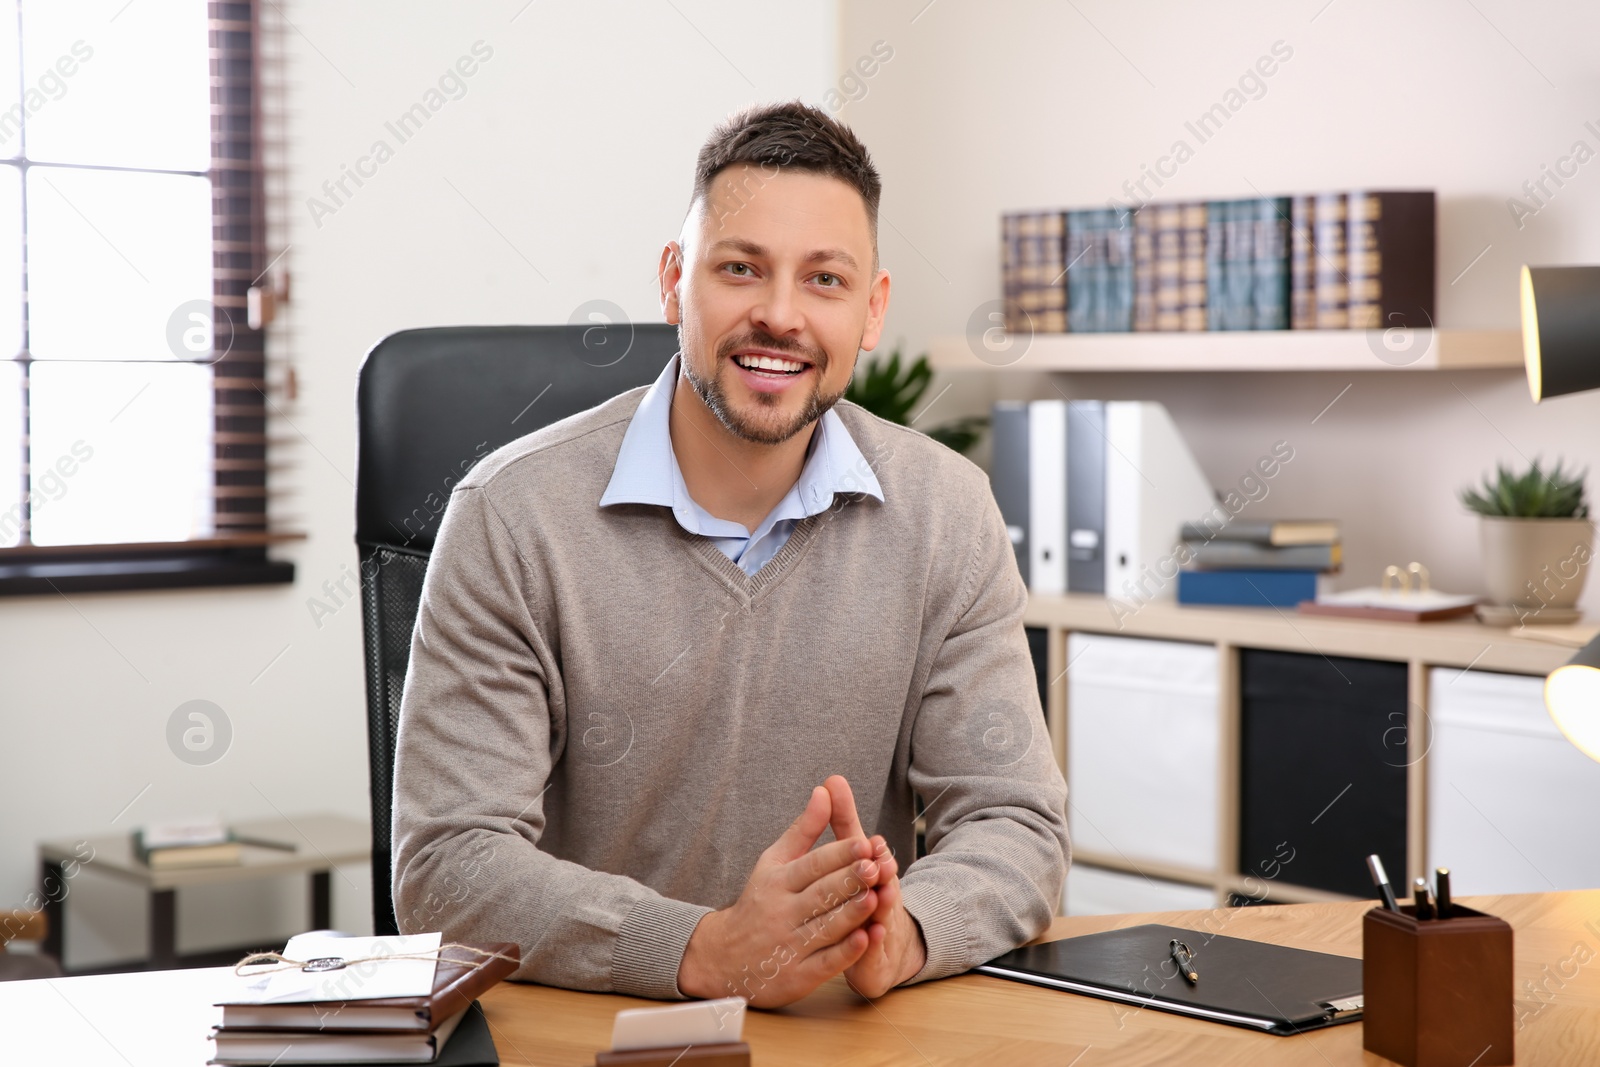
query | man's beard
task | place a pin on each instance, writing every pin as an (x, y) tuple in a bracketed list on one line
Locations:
[(715, 397)]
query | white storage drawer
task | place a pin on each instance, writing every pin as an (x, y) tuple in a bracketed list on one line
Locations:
[(1511, 803), (1095, 891), (1142, 737)]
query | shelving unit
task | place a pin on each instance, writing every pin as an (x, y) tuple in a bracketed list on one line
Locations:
[(1456, 645), (1459, 644), (1244, 350)]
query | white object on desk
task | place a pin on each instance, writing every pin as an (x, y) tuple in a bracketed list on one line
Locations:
[(705, 1022), (370, 980), (144, 1019)]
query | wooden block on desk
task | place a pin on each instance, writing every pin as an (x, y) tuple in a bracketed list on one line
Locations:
[(1438, 992), (728, 1054)]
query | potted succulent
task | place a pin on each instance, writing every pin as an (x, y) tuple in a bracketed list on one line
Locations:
[(889, 392), (1536, 536)]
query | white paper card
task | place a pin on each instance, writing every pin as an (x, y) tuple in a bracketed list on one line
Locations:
[(378, 977), (704, 1022), (1400, 599), (184, 833)]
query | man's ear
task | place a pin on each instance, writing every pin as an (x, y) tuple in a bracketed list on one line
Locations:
[(877, 309), (669, 276)]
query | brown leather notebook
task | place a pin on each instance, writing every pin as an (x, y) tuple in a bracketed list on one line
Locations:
[(458, 980), (1397, 614)]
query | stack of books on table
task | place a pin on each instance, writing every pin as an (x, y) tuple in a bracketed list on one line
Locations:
[(362, 1001), (203, 842), (1258, 564)]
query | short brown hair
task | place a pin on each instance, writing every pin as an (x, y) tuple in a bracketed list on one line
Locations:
[(796, 136)]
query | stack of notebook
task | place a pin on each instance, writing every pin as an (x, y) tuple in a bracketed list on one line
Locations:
[(261, 1025), (204, 842), (1258, 564)]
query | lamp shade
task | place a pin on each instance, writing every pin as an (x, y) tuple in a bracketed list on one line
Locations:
[(1561, 329), (1572, 695)]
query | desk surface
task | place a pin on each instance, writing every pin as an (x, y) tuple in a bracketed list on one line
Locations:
[(161, 1018), (975, 1019), (320, 842)]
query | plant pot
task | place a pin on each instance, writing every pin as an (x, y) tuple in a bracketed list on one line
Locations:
[(1535, 563)]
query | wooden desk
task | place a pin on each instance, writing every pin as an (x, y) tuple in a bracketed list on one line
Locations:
[(321, 842), (975, 1019), (161, 1018)]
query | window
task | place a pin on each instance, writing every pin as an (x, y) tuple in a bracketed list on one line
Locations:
[(133, 415)]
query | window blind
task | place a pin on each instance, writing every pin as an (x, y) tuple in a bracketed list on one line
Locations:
[(242, 166)]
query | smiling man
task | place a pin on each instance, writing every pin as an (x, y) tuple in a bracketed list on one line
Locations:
[(667, 645)]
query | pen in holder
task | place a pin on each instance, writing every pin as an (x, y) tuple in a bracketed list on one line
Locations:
[(1437, 991)]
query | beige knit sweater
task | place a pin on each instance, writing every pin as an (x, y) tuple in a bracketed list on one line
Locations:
[(606, 721)]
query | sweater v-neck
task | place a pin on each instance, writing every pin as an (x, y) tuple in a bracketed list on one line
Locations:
[(751, 588)]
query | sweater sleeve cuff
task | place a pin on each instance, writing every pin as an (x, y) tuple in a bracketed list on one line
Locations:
[(944, 931), (650, 947)]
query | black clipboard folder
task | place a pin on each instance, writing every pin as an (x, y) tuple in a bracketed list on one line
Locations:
[(1269, 988)]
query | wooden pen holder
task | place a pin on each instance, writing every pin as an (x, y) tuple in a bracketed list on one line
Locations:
[(1440, 991), (730, 1054)]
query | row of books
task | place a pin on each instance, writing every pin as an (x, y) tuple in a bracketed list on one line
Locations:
[(1269, 563), (1343, 260)]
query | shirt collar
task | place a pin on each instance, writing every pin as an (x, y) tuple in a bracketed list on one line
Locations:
[(647, 471)]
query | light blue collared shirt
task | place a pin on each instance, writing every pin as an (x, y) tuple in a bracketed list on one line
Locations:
[(647, 472)]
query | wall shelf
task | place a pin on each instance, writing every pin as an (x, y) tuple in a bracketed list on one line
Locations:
[(1451, 643), (1243, 350)]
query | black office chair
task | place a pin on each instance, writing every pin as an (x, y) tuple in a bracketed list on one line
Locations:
[(429, 404)]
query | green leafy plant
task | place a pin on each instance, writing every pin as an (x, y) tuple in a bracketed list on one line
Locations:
[(1534, 494), (883, 388)]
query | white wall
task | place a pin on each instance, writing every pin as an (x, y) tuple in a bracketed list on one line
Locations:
[(554, 180), (1024, 105)]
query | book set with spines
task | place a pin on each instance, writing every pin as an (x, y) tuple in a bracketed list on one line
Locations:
[(1099, 251), (1258, 563), (1033, 269), (1358, 259)]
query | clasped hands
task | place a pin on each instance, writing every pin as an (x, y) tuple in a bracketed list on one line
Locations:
[(807, 914)]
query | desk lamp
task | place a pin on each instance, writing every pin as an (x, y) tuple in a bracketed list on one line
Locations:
[(1561, 349)]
